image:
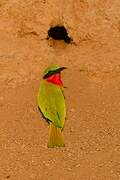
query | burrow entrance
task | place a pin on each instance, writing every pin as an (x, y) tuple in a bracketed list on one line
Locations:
[(59, 33)]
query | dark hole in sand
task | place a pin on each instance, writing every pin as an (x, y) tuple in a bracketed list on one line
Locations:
[(8, 177), (59, 33)]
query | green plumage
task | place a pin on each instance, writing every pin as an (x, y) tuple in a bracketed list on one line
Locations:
[(51, 68), (52, 104)]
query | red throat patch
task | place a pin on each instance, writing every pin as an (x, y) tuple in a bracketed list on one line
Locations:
[(55, 79)]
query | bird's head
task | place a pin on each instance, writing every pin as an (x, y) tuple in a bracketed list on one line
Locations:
[(52, 74)]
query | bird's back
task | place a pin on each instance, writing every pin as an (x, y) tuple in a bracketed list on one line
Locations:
[(51, 102)]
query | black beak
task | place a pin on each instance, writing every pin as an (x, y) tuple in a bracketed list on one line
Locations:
[(62, 68)]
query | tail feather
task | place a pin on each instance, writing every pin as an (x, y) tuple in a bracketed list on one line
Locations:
[(56, 138)]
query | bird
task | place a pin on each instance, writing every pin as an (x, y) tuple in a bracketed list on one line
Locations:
[(51, 102)]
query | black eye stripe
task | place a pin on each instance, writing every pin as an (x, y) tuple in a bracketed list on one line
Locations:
[(51, 73)]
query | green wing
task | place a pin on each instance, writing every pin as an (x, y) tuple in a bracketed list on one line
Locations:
[(52, 104)]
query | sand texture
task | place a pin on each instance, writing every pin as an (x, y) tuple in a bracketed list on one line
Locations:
[(92, 81)]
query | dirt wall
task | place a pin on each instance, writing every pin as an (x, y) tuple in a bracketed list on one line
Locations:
[(92, 80)]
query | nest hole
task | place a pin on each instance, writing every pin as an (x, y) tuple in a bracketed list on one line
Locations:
[(59, 33)]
